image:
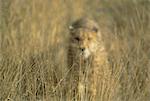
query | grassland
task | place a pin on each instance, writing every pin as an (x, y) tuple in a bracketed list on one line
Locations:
[(33, 48)]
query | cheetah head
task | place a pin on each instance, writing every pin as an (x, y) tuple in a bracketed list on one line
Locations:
[(84, 37)]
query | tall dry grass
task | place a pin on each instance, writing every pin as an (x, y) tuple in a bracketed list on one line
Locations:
[(33, 48)]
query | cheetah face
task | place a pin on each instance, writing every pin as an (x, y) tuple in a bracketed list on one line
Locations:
[(84, 42)]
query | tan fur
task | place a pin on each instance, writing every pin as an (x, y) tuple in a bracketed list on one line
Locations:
[(87, 58)]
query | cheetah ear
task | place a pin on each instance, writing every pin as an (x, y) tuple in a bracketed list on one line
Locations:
[(71, 27)]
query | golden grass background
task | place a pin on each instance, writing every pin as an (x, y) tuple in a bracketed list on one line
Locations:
[(33, 47)]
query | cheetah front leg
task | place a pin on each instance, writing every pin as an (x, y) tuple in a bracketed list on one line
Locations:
[(92, 85)]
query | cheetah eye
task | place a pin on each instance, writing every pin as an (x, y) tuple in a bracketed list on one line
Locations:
[(77, 38), (89, 39), (95, 29)]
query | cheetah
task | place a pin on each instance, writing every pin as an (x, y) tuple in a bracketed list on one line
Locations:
[(87, 58)]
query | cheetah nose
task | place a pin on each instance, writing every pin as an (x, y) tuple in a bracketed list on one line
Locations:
[(82, 49)]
